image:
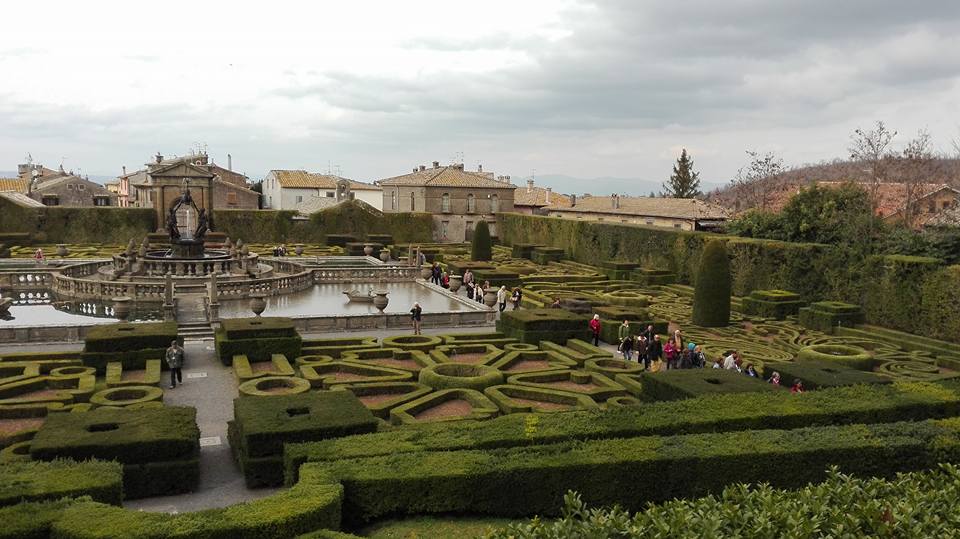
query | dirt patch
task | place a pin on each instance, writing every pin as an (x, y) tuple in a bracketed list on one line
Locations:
[(12, 426), (341, 376), (450, 408), (572, 386), (543, 405), (407, 364), (261, 367), (529, 365), (376, 400), (472, 358), (133, 376)]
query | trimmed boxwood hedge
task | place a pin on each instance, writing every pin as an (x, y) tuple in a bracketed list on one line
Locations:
[(820, 374), (480, 407), (716, 412), (127, 337), (62, 478), (533, 480), (777, 304), (826, 315), (711, 297), (685, 383), (459, 375), (842, 354), (534, 325), (257, 338)]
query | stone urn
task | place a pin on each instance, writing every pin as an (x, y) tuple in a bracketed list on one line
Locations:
[(62, 250), (298, 248), (385, 255), (380, 299), (121, 307), (456, 281), (368, 249), (490, 297), (426, 272), (258, 304)]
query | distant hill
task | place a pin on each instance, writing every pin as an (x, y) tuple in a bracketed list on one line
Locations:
[(941, 170), (603, 185)]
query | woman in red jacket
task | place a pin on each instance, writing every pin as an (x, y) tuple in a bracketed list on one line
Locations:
[(595, 328)]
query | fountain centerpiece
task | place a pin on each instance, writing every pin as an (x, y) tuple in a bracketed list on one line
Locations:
[(187, 226)]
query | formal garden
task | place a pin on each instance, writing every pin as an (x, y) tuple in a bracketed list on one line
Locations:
[(457, 433)]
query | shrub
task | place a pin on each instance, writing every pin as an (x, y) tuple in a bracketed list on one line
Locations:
[(717, 412), (402, 392), (842, 354), (257, 338), (711, 299), (523, 250), (482, 246), (686, 383), (267, 386), (126, 337), (243, 370), (593, 384), (534, 325), (532, 480), (151, 374), (514, 399), (456, 375), (826, 315), (40, 481), (480, 407), (819, 374), (329, 375), (777, 304), (546, 255), (262, 425)]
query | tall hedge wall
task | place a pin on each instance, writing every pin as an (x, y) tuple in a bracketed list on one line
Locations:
[(910, 293), (77, 225), (269, 226)]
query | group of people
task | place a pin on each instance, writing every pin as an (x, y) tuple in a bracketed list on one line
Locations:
[(515, 298), (280, 250)]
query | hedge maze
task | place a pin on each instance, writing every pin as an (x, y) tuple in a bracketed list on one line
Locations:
[(502, 423)]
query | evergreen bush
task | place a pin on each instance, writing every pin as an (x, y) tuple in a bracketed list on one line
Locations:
[(482, 246), (711, 299)]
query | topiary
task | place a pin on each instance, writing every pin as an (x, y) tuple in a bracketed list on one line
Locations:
[(711, 297), (482, 247)]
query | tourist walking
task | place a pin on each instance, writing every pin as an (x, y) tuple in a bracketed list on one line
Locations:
[(445, 280), (595, 329), (699, 358), (654, 351), (670, 355), (686, 358), (516, 298), (649, 334), (797, 387), (641, 349), (435, 273), (750, 371), (468, 282), (416, 314), (174, 357), (730, 362), (626, 344), (774, 378), (421, 258), (556, 304), (38, 256), (502, 298)]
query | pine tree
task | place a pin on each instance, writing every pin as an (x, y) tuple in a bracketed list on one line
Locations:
[(684, 182)]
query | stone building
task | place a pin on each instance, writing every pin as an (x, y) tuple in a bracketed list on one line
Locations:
[(309, 191), (61, 188), (678, 213), (535, 200), (228, 189), (457, 198)]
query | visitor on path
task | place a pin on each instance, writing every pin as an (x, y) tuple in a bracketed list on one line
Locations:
[(502, 298), (686, 359), (174, 357), (640, 347), (416, 314), (556, 304), (678, 342), (750, 371), (626, 340), (516, 298), (468, 279), (717, 363), (775, 378), (421, 258), (38, 256), (657, 364), (649, 334), (699, 358), (435, 273), (730, 362), (445, 280), (670, 355), (595, 329), (654, 350), (470, 288), (623, 335), (797, 387)]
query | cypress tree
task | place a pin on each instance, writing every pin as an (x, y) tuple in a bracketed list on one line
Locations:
[(481, 248), (711, 296), (684, 182)]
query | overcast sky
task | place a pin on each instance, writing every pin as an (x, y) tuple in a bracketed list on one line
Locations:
[(610, 88)]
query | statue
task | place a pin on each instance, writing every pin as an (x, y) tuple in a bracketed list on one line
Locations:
[(202, 225), (172, 224)]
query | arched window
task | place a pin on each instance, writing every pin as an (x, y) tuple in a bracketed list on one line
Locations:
[(494, 204), (471, 204), (413, 203), (445, 203)]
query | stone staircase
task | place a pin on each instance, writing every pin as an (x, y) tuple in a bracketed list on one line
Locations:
[(194, 331)]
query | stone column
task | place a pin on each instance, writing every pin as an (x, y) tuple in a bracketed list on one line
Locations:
[(169, 307), (213, 306)]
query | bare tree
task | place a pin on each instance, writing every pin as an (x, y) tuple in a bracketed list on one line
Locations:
[(955, 142), (755, 181), (872, 148), (914, 168)]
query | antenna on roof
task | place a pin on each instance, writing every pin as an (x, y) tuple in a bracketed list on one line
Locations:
[(29, 158)]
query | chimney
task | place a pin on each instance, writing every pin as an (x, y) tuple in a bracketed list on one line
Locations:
[(159, 157), (573, 200), (529, 186), (479, 167), (423, 167), (415, 169), (436, 164), (549, 190), (124, 170), (22, 170), (229, 162)]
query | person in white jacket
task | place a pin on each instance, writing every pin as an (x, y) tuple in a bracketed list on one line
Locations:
[(502, 298)]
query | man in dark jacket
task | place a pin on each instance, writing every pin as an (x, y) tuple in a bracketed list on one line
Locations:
[(654, 351)]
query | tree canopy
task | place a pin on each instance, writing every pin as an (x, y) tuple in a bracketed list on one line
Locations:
[(684, 182)]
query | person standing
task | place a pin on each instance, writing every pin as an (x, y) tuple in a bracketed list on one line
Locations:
[(641, 348), (416, 314), (38, 256), (517, 298), (649, 334), (445, 280), (478, 293), (502, 298), (700, 360), (435, 273), (595, 329), (174, 357), (654, 351), (623, 335), (670, 355), (468, 282)]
